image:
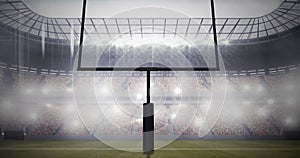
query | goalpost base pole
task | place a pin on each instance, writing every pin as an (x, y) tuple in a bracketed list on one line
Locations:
[(148, 128)]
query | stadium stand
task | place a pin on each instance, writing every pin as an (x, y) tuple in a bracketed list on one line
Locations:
[(262, 108)]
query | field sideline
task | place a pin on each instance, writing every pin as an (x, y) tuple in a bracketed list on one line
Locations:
[(180, 148)]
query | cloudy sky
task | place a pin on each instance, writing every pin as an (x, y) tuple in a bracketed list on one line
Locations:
[(191, 8)]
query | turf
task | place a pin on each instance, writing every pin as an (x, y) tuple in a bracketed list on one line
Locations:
[(177, 149)]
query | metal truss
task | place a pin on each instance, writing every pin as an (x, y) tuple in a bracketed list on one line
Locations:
[(15, 14)]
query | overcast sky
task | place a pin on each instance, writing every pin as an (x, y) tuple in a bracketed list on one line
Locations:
[(191, 8)]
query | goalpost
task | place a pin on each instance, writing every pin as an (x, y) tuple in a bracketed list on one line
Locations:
[(148, 107)]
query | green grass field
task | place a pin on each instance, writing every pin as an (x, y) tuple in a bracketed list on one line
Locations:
[(178, 149)]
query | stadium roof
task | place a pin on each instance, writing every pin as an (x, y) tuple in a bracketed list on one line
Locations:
[(191, 8), (18, 15)]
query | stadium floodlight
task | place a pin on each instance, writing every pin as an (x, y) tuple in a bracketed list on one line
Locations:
[(150, 40), (173, 116), (102, 90), (168, 61), (139, 120), (139, 96), (151, 84), (69, 89), (177, 90)]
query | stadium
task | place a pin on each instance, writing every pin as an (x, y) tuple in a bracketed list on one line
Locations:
[(223, 78)]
